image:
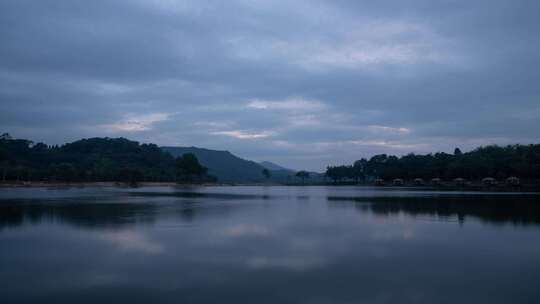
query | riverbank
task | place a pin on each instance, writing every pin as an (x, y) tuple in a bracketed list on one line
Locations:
[(121, 184), (442, 187), (96, 184)]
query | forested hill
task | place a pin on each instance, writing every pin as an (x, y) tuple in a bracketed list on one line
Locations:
[(522, 161), (117, 159), (93, 159), (120, 159), (223, 164)]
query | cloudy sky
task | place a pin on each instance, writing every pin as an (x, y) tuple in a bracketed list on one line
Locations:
[(301, 83)]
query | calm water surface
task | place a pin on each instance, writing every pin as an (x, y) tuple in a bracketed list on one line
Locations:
[(267, 245)]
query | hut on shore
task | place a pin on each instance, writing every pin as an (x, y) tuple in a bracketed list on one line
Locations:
[(459, 181), (436, 181), (489, 181), (513, 181), (398, 182), (418, 181), (379, 182)]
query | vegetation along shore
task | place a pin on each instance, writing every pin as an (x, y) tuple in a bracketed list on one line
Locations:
[(119, 161)]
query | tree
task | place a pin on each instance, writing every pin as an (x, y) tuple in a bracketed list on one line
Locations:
[(302, 175), (3, 163), (266, 173), (130, 175), (359, 170), (106, 159), (188, 168), (66, 172), (332, 173)]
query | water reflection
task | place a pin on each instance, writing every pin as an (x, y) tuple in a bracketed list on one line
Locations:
[(267, 245), (132, 242), (201, 195), (77, 213), (85, 214), (516, 210)]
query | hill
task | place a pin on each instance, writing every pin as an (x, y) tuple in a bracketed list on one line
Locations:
[(120, 159), (92, 159), (274, 167), (226, 166)]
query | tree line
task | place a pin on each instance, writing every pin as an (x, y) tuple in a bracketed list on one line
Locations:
[(499, 162), (95, 160), (120, 159)]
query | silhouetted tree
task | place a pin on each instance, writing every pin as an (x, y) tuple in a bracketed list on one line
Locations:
[(188, 168), (266, 173), (332, 173), (302, 175), (3, 162), (66, 172), (5, 136), (359, 169), (131, 176)]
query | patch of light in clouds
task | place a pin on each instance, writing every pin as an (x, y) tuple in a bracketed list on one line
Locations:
[(386, 129), (136, 122), (295, 103), (239, 134), (369, 43)]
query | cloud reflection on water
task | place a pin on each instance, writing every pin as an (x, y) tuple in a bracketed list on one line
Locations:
[(132, 241)]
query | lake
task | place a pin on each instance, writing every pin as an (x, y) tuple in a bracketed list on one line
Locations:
[(267, 245)]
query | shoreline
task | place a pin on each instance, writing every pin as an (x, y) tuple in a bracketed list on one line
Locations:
[(442, 188), (123, 184)]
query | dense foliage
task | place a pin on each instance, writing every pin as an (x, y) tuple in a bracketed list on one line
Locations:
[(119, 159), (302, 175), (188, 169), (491, 161), (266, 173), (93, 159)]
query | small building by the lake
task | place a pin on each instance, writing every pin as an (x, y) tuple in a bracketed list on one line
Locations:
[(459, 181), (489, 181), (513, 181), (436, 181)]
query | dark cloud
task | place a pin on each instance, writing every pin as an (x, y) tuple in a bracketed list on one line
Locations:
[(303, 83)]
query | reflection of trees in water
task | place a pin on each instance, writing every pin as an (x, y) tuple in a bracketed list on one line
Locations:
[(516, 210), (194, 209), (80, 214), (207, 195), (96, 215), (190, 207)]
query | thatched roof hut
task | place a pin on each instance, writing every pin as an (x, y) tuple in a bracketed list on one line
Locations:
[(489, 181), (512, 180), (436, 181), (459, 181)]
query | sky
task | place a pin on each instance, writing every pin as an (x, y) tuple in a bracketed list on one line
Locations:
[(304, 84)]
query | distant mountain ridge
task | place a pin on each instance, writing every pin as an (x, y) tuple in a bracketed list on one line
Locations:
[(226, 166), (274, 167)]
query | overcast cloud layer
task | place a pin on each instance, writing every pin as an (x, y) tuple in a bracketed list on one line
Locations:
[(302, 83)]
